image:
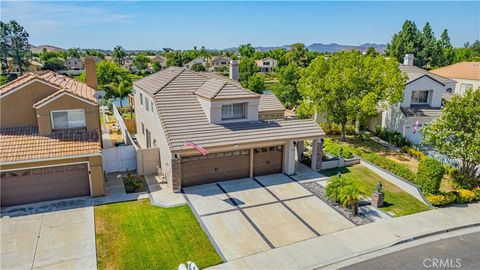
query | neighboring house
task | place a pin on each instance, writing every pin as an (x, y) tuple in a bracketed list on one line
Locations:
[(74, 63), (266, 65), (465, 74), (176, 106), (219, 62), (160, 59), (422, 102), (199, 60), (49, 138), (32, 66), (270, 107)]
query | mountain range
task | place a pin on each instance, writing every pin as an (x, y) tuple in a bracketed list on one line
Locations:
[(320, 47)]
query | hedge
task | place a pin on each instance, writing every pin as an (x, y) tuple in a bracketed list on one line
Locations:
[(336, 149), (429, 175), (382, 162), (442, 199), (393, 137), (464, 196)]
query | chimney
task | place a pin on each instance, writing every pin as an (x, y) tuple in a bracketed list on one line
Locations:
[(90, 72), (233, 70), (408, 59)]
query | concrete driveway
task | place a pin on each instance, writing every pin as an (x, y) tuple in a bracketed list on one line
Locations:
[(56, 236), (247, 216)]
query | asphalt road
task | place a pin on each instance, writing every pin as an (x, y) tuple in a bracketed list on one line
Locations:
[(461, 252)]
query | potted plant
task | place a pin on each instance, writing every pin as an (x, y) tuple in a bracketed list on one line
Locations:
[(132, 183)]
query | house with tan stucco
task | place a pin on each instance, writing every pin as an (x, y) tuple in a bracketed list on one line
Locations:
[(50, 143), (207, 129), (465, 74)]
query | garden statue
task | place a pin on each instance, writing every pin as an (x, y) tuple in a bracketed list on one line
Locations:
[(378, 196)]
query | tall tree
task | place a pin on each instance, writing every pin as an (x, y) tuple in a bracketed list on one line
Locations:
[(407, 41), (141, 61), (247, 69), (297, 54), (349, 86), (74, 52), (446, 47), (279, 54), (429, 52), (119, 55), (256, 83), (286, 88), (246, 50), (4, 46), (19, 45), (456, 133)]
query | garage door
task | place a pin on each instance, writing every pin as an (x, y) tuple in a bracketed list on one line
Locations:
[(42, 184), (267, 160), (215, 167)]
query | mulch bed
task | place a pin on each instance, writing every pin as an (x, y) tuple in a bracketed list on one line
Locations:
[(318, 190)]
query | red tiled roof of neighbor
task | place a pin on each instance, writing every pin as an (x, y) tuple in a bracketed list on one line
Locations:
[(24, 143), (61, 81), (462, 70)]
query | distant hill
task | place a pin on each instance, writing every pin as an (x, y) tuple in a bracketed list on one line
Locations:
[(320, 47), (39, 49)]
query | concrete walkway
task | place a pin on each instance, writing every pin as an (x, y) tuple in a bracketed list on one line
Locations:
[(159, 194), (325, 250)]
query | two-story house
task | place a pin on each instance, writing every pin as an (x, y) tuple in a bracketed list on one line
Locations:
[(421, 104), (207, 129), (74, 63), (198, 60), (266, 65), (50, 145), (219, 62)]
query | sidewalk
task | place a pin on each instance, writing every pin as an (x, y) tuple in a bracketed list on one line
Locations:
[(331, 248), (159, 194)]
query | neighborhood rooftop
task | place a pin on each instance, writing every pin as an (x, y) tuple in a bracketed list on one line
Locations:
[(414, 73), (462, 70), (174, 91), (269, 102), (62, 82), (24, 143)]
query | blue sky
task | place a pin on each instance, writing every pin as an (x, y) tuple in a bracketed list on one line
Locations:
[(182, 25)]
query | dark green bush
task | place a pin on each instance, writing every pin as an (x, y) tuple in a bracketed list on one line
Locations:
[(336, 129), (337, 150), (393, 137), (429, 175), (463, 181)]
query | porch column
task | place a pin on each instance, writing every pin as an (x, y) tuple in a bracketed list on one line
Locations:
[(289, 158), (300, 148), (251, 163), (317, 154)]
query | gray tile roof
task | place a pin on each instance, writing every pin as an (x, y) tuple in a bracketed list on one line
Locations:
[(269, 102), (414, 73), (421, 111), (183, 118), (223, 89)]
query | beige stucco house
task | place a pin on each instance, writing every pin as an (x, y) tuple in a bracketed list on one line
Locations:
[(266, 65), (465, 74), (49, 138), (176, 106)]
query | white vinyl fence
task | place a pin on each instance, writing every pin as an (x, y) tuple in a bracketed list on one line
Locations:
[(119, 159)]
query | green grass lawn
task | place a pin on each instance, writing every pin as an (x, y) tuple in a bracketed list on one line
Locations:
[(136, 235), (397, 201)]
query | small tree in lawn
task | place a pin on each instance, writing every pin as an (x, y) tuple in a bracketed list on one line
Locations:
[(456, 133), (335, 185)]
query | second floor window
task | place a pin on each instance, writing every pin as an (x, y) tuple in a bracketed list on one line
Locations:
[(68, 119), (419, 97), (233, 111)]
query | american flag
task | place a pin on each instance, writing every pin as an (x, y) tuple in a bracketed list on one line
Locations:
[(200, 149)]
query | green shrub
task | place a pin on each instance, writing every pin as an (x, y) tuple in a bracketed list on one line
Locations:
[(463, 181), (464, 196), (335, 186), (393, 137), (429, 175), (442, 199), (336, 149), (336, 129), (477, 193), (411, 151)]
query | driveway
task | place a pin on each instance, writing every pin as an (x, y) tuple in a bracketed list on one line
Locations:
[(59, 235), (251, 215)]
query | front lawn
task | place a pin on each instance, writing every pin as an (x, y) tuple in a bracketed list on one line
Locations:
[(137, 235), (397, 201)]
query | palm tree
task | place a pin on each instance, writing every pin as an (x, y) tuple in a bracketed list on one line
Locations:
[(119, 55), (349, 195), (334, 186)]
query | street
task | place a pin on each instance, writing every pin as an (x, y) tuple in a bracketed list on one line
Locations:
[(461, 252)]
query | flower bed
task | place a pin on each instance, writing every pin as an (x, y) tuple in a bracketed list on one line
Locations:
[(317, 189)]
